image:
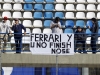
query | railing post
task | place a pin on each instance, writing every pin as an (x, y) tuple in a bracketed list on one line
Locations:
[(0, 63), (56, 63), (85, 71)]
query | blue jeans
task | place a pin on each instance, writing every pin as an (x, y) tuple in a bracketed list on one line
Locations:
[(18, 42)]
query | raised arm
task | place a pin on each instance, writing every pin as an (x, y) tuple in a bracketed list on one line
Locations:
[(59, 25), (13, 27), (24, 29), (52, 25)]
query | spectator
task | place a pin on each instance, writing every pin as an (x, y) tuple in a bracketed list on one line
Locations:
[(56, 25), (4, 29), (17, 28), (94, 36), (56, 28), (80, 37)]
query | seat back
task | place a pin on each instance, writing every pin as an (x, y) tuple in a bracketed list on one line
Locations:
[(37, 23), (82, 15), (39, 1), (38, 7), (27, 16), (17, 6), (49, 7), (68, 30), (80, 23), (28, 7), (17, 15), (90, 15), (28, 0), (6, 13), (7, 6), (69, 7), (59, 14), (47, 23), (69, 23), (59, 7), (48, 15), (38, 15)]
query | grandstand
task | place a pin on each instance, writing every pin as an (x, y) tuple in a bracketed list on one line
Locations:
[(36, 16)]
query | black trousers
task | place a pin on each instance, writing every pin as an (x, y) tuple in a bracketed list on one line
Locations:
[(93, 44), (18, 42), (83, 45)]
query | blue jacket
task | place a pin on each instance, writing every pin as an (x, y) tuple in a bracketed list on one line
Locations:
[(80, 35), (18, 29)]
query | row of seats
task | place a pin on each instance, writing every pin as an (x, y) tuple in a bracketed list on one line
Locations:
[(50, 15), (59, 1), (48, 30), (46, 23), (51, 7), (39, 71)]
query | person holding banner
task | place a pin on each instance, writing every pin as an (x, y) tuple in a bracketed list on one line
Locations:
[(94, 36), (5, 30), (80, 37), (17, 28), (56, 25)]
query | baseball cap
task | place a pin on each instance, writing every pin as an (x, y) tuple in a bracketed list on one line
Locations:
[(5, 18)]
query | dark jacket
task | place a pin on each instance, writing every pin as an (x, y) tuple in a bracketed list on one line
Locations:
[(80, 35), (18, 29), (94, 29)]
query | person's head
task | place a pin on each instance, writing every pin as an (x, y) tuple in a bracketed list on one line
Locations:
[(79, 29), (57, 19), (16, 21), (5, 19), (93, 20)]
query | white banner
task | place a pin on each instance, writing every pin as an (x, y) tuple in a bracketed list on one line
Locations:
[(52, 44)]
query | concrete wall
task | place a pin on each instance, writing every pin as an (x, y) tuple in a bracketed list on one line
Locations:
[(77, 60)]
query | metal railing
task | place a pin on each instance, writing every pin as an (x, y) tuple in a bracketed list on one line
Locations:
[(10, 47)]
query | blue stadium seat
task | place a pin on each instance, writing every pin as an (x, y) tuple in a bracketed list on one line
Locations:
[(49, 7), (43, 71), (28, 7), (62, 22), (27, 71), (99, 23), (49, 1), (38, 7), (89, 23), (23, 71), (47, 23), (65, 71), (59, 14), (88, 32), (80, 23), (48, 15), (28, 1), (39, 1), (68, 30), (37, 15), (40, 71), (99, 32), (69, 23)]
